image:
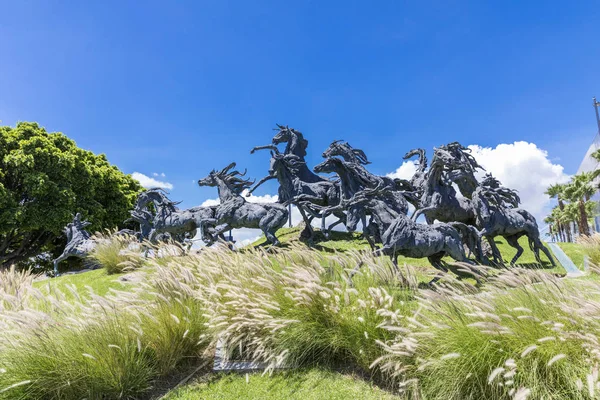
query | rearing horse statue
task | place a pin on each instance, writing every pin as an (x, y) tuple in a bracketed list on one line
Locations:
[(298, 180), (296, 144), (439, 200), (304, 195)]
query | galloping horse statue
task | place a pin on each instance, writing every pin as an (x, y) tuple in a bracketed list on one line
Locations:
[(235, 212), (400, 235), (354, 178), (168, 219), (496, 215)]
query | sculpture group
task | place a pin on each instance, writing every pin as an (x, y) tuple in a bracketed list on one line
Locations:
[(459, 210)]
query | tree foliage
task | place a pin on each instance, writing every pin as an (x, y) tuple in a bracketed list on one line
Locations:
[(44, 179)]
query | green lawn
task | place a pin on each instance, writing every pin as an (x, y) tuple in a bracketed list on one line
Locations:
[(344, 241), (311, 384), (97, 279)]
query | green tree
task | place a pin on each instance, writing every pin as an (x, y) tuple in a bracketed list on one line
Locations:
[(44, 179)]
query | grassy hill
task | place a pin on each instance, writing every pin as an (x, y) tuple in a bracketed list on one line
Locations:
[(326, 336), (345, 241)]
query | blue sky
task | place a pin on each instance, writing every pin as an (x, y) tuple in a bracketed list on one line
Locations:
[(183, 87)]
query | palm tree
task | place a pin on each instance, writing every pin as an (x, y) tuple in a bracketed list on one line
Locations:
[(556, 191), (552, 227), (596, 155), (579, 191)]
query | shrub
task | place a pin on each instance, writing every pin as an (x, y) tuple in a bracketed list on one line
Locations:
[(115, 346)]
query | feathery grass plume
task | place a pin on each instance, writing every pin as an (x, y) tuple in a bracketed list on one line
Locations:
[(591, 247), (117, 253), (112, 346), (15, 288), (484, 329), (297, 307)]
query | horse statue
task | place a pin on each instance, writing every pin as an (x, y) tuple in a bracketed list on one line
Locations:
[(79, 241), (496, 215), (347, 152), (293, 190), (416, 184), (463, 177), (235, 212), (168, 220), (400, 235), (296, 145), (439, 199), (354, 178), (298, 179)]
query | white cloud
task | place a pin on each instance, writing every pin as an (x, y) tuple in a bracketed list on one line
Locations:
[(149, 182), (525, 167), (405, 171), (210, 202), (162, 174)]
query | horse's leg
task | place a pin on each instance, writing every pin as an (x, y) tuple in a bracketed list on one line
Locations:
[(417, 213), (538, 245), (367, 235), (341, 217), (57, 261), (514, 242), (269, 225), (363, 219), (495, 251), (436, 262), (307, 233)]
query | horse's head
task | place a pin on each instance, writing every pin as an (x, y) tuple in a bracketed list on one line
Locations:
[(443, 158), (232, 179), (330, 165), (336, 148), (283, 135), (463, 154), (156, 196), (209, 180)]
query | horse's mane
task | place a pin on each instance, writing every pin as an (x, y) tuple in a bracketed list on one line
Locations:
[(345, 149), (234, 179)]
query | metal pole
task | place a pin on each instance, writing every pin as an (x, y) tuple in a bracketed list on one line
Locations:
[(290, 211), (596, 105)]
